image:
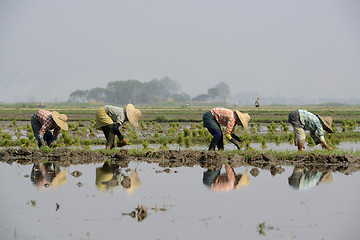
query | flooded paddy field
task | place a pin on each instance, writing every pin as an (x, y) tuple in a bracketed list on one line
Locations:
[(164, 186)]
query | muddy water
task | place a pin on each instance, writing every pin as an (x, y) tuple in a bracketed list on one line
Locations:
[(95, 201)]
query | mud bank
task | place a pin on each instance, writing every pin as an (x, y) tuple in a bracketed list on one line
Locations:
[(175, 158)]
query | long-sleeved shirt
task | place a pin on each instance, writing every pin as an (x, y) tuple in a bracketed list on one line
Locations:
[(47, 122), (225, 117), (224, 182), (109, 115), (312, 123)]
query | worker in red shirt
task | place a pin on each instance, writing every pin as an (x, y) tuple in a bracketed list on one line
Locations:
[(217, 117), (43, 122)]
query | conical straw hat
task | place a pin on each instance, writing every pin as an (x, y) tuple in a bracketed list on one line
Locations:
[(60, 120), (244, 118), (133, 115)]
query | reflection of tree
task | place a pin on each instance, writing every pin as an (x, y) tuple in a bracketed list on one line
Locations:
[(227, 181), (304, 179), (44, 175)]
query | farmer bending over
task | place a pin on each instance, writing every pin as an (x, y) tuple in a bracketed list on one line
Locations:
[(317, 125), (110, 118), (43, 121), (228, 118)]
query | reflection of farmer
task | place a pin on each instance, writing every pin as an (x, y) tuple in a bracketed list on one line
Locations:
[(43, 121), (110, 118), (303, 179), (225, 182), (257, 104), (47, 174), (317, 125), (224, 117), (109, 177)]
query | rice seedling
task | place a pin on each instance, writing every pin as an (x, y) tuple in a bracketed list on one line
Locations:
[(142, 125), (25, 142), (156, 135), (187, 140), (171, 131), (159, 128), (187, 132)]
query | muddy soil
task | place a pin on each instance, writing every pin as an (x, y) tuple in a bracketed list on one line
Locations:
[(174, 158)]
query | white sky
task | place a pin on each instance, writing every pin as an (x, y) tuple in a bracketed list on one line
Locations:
[(288, 48)]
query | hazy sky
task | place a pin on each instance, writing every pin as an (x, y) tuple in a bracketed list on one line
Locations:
[(287, 48)]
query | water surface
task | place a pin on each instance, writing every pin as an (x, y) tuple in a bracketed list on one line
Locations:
[(181, 205)]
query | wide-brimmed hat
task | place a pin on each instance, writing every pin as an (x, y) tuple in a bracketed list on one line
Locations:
[(327, 121), (133, 115), (244, 118), (60, 120), (244, 181)]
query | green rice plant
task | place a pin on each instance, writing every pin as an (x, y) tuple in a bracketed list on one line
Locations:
[(77, 141), (159, 128), (161, 118), (194, 134), (192, 126), (180, 139), (71, 125), (84, 130), (263, 143), (18, 131), (28, 127), (310, 141), (188, 142), (142, 125), (164, 145), (14, 123), (187, 132), (92, 122), (156, 135), (171, 131), (334, 127), (67, 139), (80, 124), (6, 136), (25, 142), (30, 136), (91, 131), (145, 144), (134, 134), (87, 142)]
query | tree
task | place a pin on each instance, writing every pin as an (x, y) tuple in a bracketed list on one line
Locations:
[(79, 96), (213, 93), (224, 90)]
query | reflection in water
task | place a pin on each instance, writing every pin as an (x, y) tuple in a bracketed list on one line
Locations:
[(44, 175), (109, 178), (227, 181), (303, 179)]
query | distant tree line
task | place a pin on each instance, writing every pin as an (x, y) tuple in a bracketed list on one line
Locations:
[(221, 92), (134, 91), (155, 91)]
